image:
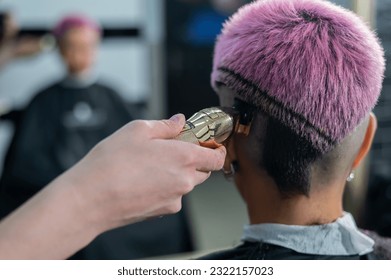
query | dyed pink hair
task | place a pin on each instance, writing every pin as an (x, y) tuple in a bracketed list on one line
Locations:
[(74, 21), (310, 64)]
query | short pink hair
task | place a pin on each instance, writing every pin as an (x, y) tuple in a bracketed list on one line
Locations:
[(314, 66), (74, 21)]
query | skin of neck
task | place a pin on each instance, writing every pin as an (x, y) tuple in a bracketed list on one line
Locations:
[(82, 75), (265, 204)]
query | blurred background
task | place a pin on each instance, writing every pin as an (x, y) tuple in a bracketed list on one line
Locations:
[(156, 54)]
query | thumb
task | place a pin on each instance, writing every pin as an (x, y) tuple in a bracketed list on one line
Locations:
[(168, 129)]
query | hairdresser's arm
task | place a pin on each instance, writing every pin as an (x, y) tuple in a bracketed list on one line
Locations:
[(23, 47), (134, 174)]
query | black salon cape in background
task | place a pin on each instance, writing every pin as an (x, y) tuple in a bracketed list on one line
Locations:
[(58, 127)]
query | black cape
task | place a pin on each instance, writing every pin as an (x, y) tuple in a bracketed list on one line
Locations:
[(265, 251)]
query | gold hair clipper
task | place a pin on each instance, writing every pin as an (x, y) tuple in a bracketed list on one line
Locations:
[(212, 126)]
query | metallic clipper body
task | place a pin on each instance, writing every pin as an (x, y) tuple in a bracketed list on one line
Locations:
[(212, 126), (209, 127)]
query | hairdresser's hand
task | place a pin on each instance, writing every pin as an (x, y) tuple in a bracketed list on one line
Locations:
[(23, 47), (136, 173), (26, 46), (140, 172)]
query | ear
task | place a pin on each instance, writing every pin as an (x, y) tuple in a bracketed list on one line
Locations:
[(231, 154), (367, 142)]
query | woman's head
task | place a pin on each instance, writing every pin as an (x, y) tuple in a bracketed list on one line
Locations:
[(77, 37), (314, 72)]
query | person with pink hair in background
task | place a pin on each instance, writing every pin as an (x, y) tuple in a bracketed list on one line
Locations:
[(309, 72)]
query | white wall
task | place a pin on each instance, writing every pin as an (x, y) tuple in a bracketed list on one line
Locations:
[(49, 11)]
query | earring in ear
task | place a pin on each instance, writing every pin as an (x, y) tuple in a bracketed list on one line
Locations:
[(350, 177)]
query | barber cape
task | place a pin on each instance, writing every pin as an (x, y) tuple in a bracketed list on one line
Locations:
[(338, 240)]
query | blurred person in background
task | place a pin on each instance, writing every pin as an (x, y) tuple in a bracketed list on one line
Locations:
[(14, 46), (60, 125)]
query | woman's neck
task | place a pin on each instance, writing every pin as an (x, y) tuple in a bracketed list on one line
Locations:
[(265, 204)]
